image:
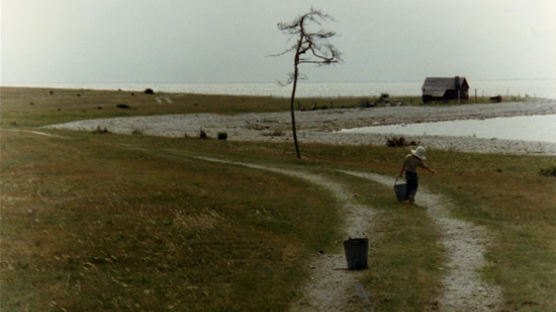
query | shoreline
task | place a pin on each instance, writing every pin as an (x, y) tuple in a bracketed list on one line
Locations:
[(319, 126), (534, 88)]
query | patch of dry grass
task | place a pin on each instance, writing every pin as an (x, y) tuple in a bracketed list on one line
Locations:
[(89, 225), (108, 222), (33, 107)]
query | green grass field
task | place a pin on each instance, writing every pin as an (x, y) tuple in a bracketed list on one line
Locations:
[(105, 222)]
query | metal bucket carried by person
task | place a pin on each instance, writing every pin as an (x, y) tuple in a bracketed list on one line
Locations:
[(401, 190)]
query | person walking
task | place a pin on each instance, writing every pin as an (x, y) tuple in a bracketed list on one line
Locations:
[(411, 163)]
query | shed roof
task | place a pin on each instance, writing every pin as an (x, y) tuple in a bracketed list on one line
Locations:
[(437, 86)]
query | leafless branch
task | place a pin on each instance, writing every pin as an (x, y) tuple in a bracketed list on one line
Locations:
[(321, 52)]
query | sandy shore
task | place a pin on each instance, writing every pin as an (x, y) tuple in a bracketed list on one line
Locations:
[(320, 126)]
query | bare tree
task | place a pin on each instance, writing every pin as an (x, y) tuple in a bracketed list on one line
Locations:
[(311, 47)]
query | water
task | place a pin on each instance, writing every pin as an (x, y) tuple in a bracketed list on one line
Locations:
[(528, 128), (545, 88)]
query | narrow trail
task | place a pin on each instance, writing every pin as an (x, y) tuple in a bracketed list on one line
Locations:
[(463, 289), (331, 286), (46, 134)]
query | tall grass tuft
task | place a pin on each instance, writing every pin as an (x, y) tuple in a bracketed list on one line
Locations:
[(548, 172)]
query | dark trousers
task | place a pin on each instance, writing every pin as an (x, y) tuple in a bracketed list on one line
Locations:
[(412, 184)]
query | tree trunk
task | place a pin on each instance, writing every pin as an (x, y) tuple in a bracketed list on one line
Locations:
[(292, 100)]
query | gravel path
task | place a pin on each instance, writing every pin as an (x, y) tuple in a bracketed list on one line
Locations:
[(331, 287), (463, 289), (319, 126)]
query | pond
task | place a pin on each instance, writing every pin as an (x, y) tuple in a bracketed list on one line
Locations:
[(528, 128)]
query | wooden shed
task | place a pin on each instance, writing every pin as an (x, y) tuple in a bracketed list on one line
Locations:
[(445, 88)]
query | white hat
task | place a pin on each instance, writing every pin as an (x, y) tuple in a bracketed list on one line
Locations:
[(419, 152)]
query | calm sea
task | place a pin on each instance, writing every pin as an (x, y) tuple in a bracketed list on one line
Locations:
[(544, 88), (529, 128)]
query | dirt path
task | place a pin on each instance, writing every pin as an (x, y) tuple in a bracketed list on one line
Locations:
[(463, 289), (36, 133), (331, 286)]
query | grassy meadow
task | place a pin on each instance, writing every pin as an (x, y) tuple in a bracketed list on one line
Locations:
[(31, 107), (106, 222)]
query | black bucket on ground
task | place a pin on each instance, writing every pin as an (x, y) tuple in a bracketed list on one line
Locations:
[(356, 250)]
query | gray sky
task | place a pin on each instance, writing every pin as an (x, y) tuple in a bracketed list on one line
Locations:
[(221, 41)]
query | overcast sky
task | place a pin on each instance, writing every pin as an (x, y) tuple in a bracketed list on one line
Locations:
[(221, 41)]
